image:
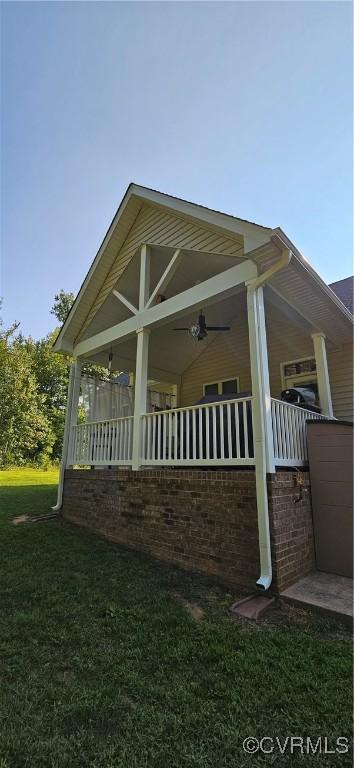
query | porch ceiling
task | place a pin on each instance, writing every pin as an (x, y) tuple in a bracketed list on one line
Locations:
[(174, 351), (194, 268)]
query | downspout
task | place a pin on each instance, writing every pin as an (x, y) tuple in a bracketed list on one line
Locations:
[(284, 261), (265, 553), (66, 438)]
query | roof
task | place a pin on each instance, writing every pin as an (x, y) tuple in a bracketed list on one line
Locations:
[(204, 207), (250, 238), (344, 289)]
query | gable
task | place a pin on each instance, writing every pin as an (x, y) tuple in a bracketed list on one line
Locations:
[(167, 223), (155, 226)]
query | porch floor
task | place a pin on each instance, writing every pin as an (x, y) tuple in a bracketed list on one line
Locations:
[(325, 591)]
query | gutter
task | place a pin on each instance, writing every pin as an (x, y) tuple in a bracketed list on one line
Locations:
[(265, 552), (279, 235)]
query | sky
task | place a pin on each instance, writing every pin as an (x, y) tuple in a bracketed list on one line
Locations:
[(245, 107)]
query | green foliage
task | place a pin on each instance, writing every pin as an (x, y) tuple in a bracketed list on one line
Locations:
[(33, 392), (62, 304), (26, 434), (51, 372)]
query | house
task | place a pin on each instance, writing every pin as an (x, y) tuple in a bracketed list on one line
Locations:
[(344, 289), (217, 479)]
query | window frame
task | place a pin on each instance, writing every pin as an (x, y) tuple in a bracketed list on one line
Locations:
[(300, 375), (220, 383)]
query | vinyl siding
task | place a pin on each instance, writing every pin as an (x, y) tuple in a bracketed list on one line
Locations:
[(225, 357), (340, 366), (228, 356), (157, 227)]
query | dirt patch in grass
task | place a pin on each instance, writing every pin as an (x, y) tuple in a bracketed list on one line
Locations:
[(20, 519), (195, 611)]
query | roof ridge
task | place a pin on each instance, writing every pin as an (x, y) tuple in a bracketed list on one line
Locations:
[(199, 205)]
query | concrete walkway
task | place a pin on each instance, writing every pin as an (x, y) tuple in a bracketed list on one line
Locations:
[(325, 591)]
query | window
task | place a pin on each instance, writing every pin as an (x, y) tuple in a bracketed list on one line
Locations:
[(226, 387), (300, 373), (299, 367)]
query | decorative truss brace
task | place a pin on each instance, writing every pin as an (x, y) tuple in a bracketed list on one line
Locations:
[(162, 284), (125, 301)]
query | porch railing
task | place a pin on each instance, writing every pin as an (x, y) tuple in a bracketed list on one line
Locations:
[(102, 443), (289, 433), (209, 434), (214, 433)]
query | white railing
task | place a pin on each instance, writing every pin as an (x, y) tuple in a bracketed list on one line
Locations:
[(212, 433), (102, 443), (289, 433), (209, 434)]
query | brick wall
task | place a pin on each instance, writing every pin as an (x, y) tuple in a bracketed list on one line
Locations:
[(293, 554), (203, 521)]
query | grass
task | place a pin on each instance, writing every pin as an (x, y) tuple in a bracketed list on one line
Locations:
[(103, 666)]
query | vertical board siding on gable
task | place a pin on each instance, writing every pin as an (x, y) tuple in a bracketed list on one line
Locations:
[(160, 228), (340, 365)]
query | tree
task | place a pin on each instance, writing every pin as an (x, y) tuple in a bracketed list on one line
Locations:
[(26, 434), (51, 372), (33, 391), (63, 302)]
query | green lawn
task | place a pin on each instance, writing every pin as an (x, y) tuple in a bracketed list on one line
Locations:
[(103, 666)]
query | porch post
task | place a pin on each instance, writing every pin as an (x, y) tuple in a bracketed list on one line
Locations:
[(258, 347), (66, 436), (261, 419), (142, 357), (140, 396), (324, 388), (74, 401)]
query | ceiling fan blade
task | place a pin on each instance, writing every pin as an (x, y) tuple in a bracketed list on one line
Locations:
[(218, 328), (180, 329)]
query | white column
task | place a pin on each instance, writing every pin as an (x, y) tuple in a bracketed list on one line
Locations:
[(324, 388), (260, 419), (142, 356), (74, 401), (66, 437), (144, 287), (260, 370), (140, 395)]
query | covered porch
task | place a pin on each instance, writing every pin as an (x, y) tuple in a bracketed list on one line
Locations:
[(270, 324), (215, 434), (248, 367)]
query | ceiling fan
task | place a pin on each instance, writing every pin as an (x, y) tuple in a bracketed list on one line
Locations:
[(199, 330)]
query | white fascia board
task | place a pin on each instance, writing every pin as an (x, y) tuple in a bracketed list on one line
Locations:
[(215, 218), (204, 294), (59, 344)]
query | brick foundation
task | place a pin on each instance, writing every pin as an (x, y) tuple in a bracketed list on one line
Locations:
[(203, 521), (293, 553)]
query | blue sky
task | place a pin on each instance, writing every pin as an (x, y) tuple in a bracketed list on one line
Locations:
[(245, 107)]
